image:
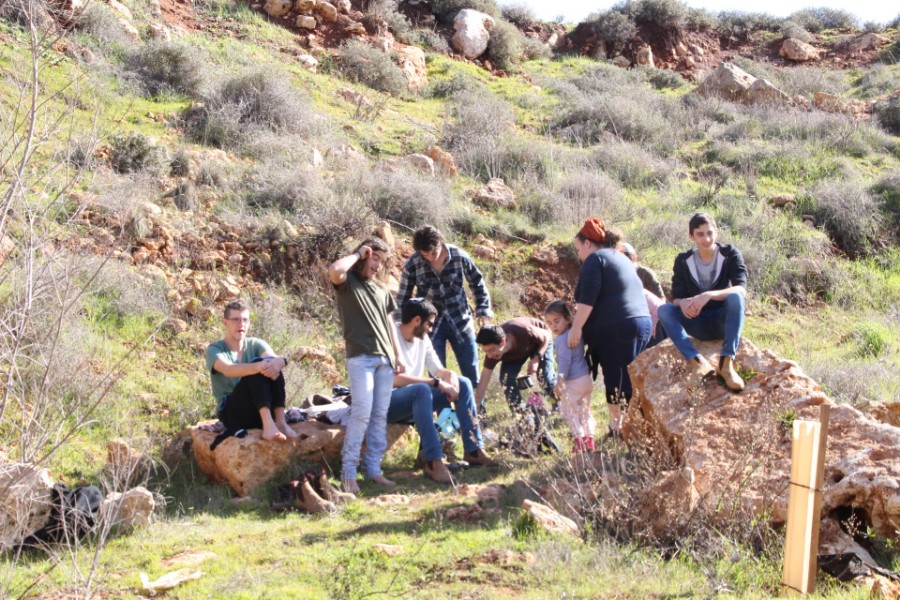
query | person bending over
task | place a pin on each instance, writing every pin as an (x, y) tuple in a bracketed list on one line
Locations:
[(247, 379)]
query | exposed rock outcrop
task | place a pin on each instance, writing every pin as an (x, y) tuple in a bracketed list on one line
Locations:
[(247, 463), (733, 83), (25, 501), (495, 194), (411, 60), (738, 446), (798, 51), (472, 32)]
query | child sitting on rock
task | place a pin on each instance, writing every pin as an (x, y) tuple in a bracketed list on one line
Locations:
[(574, 384)]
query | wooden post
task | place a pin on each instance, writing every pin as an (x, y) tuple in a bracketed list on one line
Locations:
[(805, 503)]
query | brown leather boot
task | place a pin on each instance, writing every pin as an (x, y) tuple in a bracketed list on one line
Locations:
[(330, 493), (480, 457), (437, 471), (700, 370), (733, 381), (310, 501)]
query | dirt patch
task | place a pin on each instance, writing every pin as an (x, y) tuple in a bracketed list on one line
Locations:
[(549, 283)]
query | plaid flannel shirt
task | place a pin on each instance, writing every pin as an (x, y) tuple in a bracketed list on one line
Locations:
[(446, 291)]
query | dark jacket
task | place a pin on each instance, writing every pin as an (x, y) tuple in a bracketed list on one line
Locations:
[(730, 271)]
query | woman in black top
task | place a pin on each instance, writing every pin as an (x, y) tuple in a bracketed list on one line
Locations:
[(611, 315)]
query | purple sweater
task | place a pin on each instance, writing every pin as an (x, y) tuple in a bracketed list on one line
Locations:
[(570, 363)]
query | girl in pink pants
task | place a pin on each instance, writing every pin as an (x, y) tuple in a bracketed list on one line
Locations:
[(574, 382)]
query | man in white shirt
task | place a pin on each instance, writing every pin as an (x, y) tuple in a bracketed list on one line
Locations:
[(417, 395)]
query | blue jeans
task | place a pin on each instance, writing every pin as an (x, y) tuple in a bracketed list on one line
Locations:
[(371, 380), (464, 348), (546, 374), (724, 322), (416, 404)]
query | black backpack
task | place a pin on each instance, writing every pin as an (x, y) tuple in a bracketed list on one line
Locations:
[(72, 516)]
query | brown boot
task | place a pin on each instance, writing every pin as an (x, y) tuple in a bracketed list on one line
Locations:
[(700, 370), (733, 381), (480, 457), (329, 492), (437, 471), (310, 501)]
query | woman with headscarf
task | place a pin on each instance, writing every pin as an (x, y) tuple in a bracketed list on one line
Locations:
[(611, 315)]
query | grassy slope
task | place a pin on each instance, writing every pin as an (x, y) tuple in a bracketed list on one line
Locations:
[(321, 556)]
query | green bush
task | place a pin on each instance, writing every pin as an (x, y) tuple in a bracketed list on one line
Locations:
[(848, 213), (505, 48), (662, 13), (662, 79), (533, 48), (168, 67), (459, 82), (388, 12), (699, 19), (614, 28), (133, 151), (429, 39), (370, 66), (741, 24), (818, 19), (871, 340), (876, 80)]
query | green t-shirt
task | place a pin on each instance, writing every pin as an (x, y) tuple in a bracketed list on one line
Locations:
[(223, 386), (364, 305)]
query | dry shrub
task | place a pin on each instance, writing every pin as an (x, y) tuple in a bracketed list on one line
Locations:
[(852, 382), (632, 165), (168, 67), (400, 195), (101, 24), (121, 200), (505, 47), (126, 293), (848, 213), (135, 152), (370, 66), (250, 104), (818, 19), (272, 185)]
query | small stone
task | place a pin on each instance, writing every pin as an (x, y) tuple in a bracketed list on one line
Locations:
[(306, 22)]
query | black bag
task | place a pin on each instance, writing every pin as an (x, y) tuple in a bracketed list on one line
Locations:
[(73, 515)]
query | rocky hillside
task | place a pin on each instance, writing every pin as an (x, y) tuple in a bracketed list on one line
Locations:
[(160, 157)]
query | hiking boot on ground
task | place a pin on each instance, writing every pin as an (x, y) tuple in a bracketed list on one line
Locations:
[(330, 493), (480, 457), (700, 370), (310, 501), (732, 380), (437, 471)]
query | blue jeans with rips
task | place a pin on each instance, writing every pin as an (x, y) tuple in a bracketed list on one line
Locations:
[(724, 322), (371, 379), (417, 403)]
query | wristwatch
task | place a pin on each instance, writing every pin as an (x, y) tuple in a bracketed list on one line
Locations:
[(435, 382)]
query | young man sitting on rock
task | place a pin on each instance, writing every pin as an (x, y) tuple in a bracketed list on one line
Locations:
[(709, 283), (247, 379), (415, 397)]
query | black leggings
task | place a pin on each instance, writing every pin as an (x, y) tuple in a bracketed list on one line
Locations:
[(249, 396)]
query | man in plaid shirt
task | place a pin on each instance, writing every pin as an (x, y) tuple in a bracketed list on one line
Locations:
[(436, 271)]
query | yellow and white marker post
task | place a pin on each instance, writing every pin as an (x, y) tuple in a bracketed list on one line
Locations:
[(805, 503)]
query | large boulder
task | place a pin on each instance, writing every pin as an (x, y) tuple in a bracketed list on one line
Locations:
[(247, 463), (412, 62), (798, 51), (495, 194), (737, 447), (472, 32), (25, 502), (726, 81), (867, 41)]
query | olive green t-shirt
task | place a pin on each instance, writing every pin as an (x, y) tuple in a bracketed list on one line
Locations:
[(365, 306), (221, 385)]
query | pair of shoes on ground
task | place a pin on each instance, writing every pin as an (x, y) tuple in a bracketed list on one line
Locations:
[(314, 494), (701, 370)]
